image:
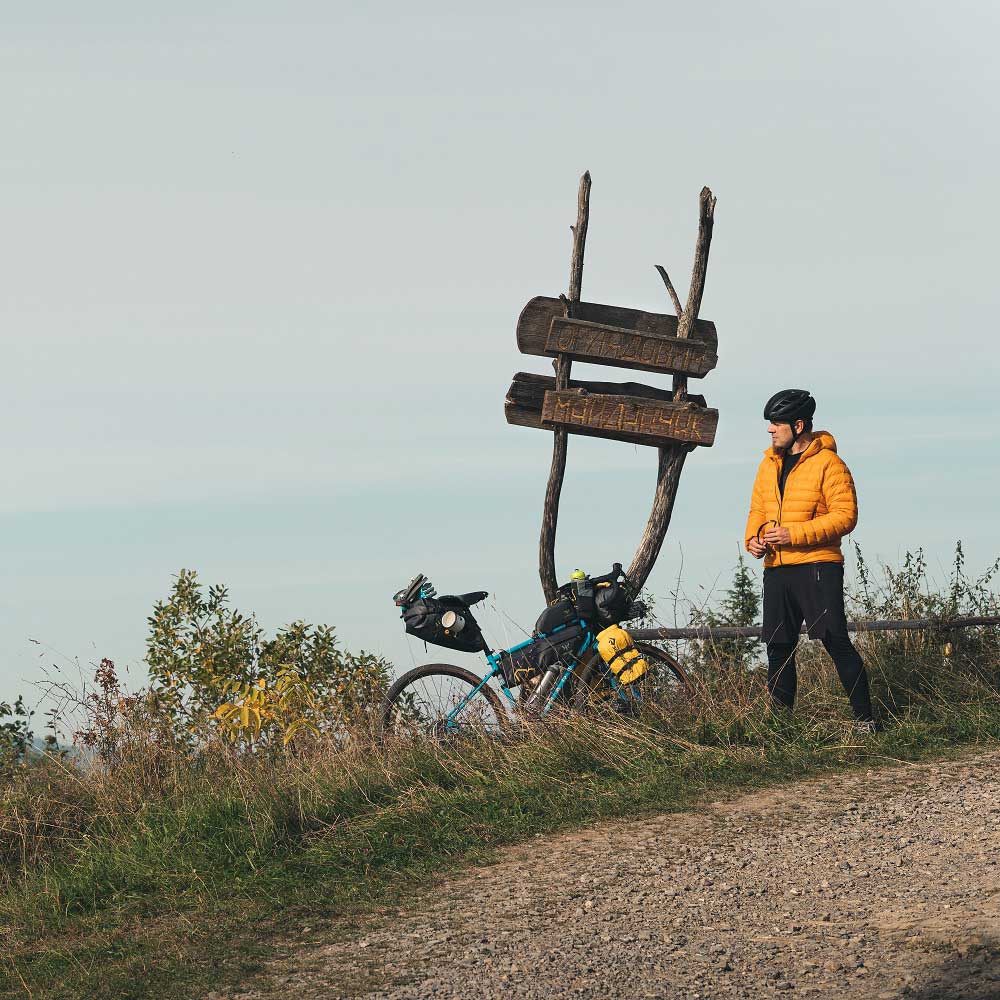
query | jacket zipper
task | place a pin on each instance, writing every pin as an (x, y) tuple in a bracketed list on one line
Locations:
[(781, 496), (781, 500)]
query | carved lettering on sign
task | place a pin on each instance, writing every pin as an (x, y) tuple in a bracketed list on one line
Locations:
[(644, 421), (536, 317), (629, 348)]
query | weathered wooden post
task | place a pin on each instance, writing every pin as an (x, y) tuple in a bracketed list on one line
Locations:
[(562, 366), (672, 421)]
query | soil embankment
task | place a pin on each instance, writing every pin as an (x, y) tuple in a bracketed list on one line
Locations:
[(876, 884)]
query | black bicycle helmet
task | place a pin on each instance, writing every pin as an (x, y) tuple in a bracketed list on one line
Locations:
[(789, 405)]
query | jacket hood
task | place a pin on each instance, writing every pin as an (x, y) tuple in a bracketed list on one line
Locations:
[(822, 441)]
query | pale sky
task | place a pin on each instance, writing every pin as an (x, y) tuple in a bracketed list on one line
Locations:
[(263, 265)]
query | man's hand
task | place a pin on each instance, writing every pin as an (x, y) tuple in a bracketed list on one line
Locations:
[(778, 536), (757, 549)]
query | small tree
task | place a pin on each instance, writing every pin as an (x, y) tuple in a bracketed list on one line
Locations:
[(740, 606), (211, 667)]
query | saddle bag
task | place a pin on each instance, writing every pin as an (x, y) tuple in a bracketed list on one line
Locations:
[(426, 620), (619, 652)]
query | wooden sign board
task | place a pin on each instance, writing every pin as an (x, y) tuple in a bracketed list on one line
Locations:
[(629, 418), (527, 395), (523, 405), (624, 348), (536, 318)]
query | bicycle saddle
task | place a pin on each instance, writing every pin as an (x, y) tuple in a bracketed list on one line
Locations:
[(474, 597)]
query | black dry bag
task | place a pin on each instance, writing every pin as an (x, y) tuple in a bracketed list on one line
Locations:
[(613, 603), (560, 613), (429, 619)]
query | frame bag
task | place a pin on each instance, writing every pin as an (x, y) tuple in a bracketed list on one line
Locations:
[(562, 645)]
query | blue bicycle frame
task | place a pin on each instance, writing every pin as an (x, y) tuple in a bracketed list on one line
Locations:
[(496, 670)]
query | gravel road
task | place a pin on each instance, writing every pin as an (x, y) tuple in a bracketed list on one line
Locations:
[(877, 884)]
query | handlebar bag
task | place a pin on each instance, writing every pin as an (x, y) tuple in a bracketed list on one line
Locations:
[(423, 619), (612, 602)]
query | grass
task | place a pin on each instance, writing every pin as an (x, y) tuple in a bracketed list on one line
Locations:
[(194, 890), (169, 872)]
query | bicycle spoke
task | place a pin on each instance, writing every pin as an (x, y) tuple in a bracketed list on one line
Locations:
[(439, 704)]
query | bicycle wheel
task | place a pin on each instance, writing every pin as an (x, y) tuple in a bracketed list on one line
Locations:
[(441, 700), (665, 680)]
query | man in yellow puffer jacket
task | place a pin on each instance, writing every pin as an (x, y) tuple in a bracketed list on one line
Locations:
[(803, 503)]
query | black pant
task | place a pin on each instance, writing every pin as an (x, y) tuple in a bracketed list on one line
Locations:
[(812, 593)]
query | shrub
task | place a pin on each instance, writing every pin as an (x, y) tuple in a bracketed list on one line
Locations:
[(211, 667), (912, 667), (15, 732)]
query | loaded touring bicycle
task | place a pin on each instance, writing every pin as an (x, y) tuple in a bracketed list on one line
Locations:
[(578, 656)]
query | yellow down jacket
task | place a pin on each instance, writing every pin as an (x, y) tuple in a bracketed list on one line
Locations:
[(819, 507)]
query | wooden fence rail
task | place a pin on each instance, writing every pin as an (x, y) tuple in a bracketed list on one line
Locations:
[(754, 631)]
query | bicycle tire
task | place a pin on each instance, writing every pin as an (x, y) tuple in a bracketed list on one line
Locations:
[(655, 655), (394, 695), (588, 681)]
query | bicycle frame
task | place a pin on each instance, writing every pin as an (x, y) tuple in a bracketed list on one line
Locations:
[(589, 644)]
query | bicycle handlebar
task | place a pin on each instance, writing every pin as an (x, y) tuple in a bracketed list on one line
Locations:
[(612, 577)]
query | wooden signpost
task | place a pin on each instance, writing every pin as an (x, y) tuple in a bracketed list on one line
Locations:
[(567, 329), (629, 418)]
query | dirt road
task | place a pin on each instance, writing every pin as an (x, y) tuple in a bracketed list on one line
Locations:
[(878, 885)]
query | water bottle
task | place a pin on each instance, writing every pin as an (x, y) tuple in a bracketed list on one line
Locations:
[(540, 695)]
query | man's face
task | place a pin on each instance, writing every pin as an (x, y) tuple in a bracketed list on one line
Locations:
[(781, 435)]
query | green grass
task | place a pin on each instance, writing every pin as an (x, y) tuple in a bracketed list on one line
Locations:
[(196, 890)]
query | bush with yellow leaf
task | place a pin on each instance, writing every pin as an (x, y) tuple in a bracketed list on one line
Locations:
[(211, 667), (260, 712)]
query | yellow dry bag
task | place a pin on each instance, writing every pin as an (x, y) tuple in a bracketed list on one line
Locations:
[(618, 651)]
